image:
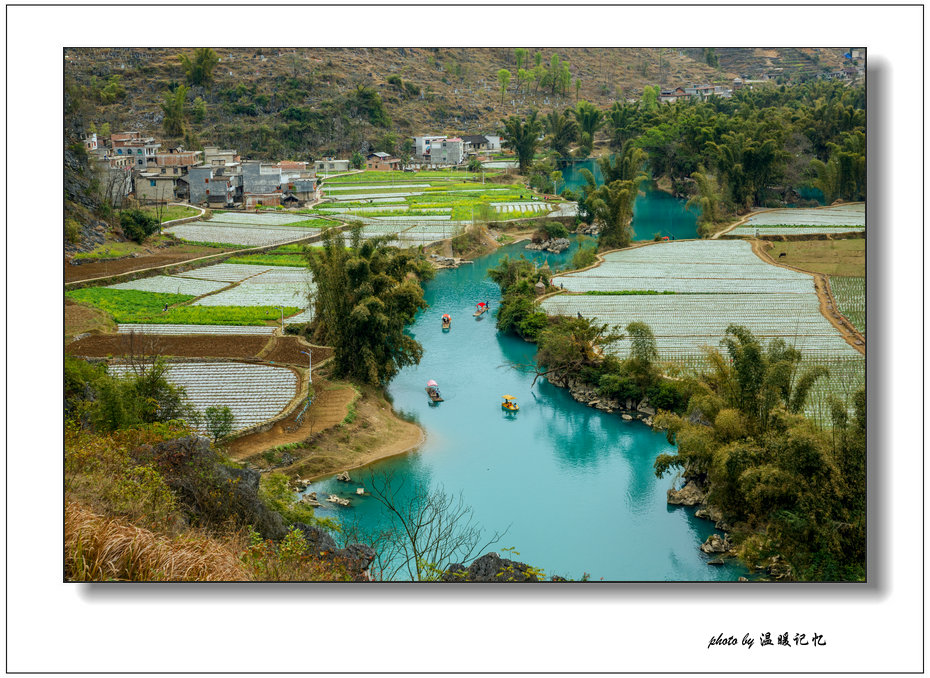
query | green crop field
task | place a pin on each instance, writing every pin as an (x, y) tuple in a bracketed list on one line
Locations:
[(271, 259), (131, 306), (127, 306)]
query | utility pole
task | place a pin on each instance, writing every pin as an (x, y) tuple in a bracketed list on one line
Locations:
[(309, 366)]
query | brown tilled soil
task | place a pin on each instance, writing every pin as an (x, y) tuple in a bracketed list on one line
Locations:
[(161, 257), (331, 402), (827, 303), (196, 346), (280, 350), (288, 350)]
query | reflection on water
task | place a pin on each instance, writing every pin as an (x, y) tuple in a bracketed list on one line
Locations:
[(572, 486)]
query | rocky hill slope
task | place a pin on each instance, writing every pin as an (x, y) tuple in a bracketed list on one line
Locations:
[(274, 102)]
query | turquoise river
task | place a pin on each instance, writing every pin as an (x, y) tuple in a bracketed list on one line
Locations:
[(573, 487)]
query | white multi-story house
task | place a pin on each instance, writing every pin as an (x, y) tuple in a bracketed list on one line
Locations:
[(447, 152)]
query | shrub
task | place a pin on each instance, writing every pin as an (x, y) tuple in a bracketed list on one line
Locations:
[(584, 257), (554, 229), (138, 225), (72, 231)]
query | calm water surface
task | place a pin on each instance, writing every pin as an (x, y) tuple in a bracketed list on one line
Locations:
[(573, 487), (654, 211)]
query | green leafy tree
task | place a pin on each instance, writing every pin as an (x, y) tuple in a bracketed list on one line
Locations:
[(199, 70), (650, 98), (474, 164), (503, 78), (406, 151), (366, 294), (520, 55), (218, 421), (357, 161), (173, 104), (706, 199), (198, 110), (561, 131), (522, 135), (138, 225), (105, 130)]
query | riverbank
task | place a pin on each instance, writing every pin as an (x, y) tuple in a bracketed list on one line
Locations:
[(344, 429)]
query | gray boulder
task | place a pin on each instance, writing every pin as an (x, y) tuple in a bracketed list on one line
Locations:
[(716, 544), (690, 495)]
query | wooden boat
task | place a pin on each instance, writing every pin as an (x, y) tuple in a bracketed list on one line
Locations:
[(481, 308), (510, 403), (433, 393), (446, 321)]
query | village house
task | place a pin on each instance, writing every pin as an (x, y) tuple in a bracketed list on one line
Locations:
[(672, 95), (261, 184), (154, 186), (331, 165), (216, 156), (298, 183), (447, 152), (140, 148), (423, 144), (382, 161), (210, 186)]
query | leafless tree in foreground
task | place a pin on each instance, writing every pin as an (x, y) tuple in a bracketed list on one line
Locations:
[(427, 530)]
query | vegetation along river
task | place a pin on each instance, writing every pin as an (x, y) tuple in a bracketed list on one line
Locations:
[(573, 486)]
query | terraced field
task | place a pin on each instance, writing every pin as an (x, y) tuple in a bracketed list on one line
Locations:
[(254, 393), (714, 283), (240, 234), (837, 219), (409, 201)]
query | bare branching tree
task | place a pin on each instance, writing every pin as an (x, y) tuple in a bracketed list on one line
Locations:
[(426, 530)]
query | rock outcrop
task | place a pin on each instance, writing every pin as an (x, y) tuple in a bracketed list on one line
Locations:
[(555, 245), (690, 495), (716, 544), (492, 568)]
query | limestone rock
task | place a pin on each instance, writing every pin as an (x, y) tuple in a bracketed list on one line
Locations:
[(490, 568), (716, 544), (689, 495), (709, 513)]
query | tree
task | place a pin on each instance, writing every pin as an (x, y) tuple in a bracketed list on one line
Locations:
[(643, 355), (428, 530), (503, 77), (366, 294), (522, 135), (199, 70), (138, 225), (357, 161), (198, 110), (474, 164), (556, 178), (590, 118), (520, 55), (562, 131), (611, 205), (624, 122), (219, 421), (650, 98), (173, 107), (706, 199), (406, 151), (573, 344), (104, 130)]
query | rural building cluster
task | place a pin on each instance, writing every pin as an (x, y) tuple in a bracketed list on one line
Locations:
[(139, 165)]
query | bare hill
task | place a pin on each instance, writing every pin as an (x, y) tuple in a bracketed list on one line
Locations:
[(273, 101)]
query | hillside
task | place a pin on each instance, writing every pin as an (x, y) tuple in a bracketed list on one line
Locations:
[(273, 102)]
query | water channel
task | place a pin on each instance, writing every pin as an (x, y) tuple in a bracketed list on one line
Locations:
[(573, 487)]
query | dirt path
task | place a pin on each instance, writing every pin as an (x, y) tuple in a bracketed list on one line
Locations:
[(827, 302), (330, 406)]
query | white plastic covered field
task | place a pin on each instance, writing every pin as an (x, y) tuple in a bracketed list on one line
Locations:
[(171, 285), (240, 234), (254, 393), (229, 273), (793, 230), (840, 215), (172, 330), (716, 283), (259, 218), (688, 267)]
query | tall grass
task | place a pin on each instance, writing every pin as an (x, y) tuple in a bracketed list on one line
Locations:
[(109, 549)]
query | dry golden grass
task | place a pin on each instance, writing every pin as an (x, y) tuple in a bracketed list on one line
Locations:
[(108, 549)]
